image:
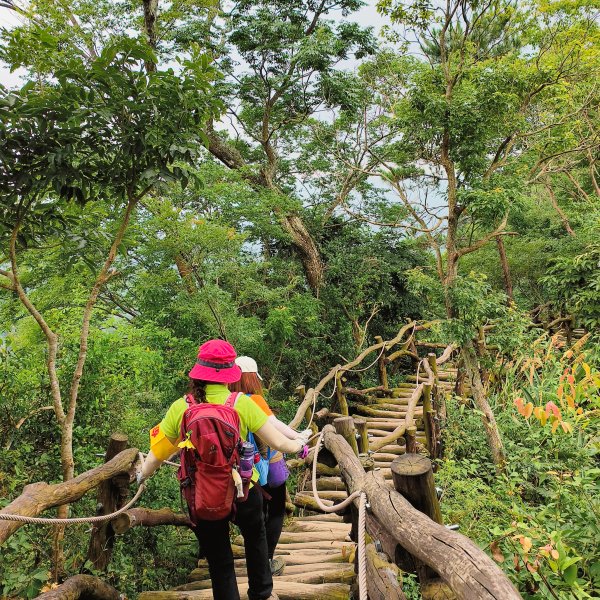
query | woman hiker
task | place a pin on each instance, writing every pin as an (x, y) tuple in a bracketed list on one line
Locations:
[(274, 509), (214, 369)]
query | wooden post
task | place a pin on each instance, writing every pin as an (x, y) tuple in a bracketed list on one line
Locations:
[(411, 439), (301, 393), (412, 476), (345, 427), (339, 394), (428, 420), (112, 494), (431, 359), (381, 368), (438, 398), (363, 440)]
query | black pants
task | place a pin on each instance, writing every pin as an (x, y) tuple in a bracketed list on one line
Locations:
[(274, 510), (213, 537)]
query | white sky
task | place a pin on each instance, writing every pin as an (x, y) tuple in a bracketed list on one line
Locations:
[(367, 16)]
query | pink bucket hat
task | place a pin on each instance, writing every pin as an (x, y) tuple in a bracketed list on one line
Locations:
[(216, 362)]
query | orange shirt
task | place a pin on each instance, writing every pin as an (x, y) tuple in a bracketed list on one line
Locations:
[(262, 404)]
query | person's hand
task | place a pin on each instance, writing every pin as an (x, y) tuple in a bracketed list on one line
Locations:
[(139, 476), (308, 433), (303, 452), (305, 436)]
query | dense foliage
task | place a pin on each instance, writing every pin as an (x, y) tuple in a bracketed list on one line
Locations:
[(276, 174)]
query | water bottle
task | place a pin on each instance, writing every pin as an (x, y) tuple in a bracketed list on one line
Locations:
[(246, 460)]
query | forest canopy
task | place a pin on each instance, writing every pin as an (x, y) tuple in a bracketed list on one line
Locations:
[(296, 179)]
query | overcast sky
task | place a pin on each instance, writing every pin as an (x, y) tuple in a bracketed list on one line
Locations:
[(367, 16)]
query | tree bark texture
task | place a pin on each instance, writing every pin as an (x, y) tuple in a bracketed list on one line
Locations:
[(508, 288), (85, 587), (470, 573), (479, 397), (112, 495), (38, 497)]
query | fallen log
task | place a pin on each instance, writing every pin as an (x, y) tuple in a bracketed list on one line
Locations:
[(82, 586), (471, 574), (38, 497), (148, 517), (286, 590)]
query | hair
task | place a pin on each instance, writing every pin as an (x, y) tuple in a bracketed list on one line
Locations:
[(249, 383), (197, 388)]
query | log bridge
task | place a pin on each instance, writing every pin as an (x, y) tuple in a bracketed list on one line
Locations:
[(379, 440)]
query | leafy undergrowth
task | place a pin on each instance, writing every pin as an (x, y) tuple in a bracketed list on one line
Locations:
[(541, 521)]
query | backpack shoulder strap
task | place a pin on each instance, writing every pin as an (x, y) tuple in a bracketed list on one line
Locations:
[(232, 399), (190, 400)]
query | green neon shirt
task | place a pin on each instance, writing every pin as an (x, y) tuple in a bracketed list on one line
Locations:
[(252, 418)]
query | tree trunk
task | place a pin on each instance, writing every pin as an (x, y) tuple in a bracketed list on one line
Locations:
[(479, 397), (508, 288), (307, 251)]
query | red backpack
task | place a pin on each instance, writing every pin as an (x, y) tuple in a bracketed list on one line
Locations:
[(205, 474)]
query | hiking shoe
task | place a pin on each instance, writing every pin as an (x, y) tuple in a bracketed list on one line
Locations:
[(277, 565)]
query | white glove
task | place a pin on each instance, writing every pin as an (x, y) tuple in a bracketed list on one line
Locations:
[(305, 436), (139, 477), (301, 444)]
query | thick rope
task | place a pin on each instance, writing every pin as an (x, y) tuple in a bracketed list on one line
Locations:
[(72, 521), (362, 557), (362, 545)]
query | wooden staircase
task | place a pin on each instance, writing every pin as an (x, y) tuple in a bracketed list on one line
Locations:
[(317, 549), (319, 559)]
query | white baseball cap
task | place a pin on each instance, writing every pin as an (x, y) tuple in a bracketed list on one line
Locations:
[(247, 365)]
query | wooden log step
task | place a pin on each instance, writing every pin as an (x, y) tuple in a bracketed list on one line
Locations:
[(387, 425), (311, 557), (299, 526), (321, 518), (304, 536), (333, 495), (202, 573), (341, 546), (376, 412), (286, 590), (398, 403), (304, 500), (334, 573), (327, 484), (386, 456), (394, 448)]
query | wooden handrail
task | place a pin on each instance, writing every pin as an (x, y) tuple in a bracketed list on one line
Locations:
[(470, 573), (312, 393), (38, 497)]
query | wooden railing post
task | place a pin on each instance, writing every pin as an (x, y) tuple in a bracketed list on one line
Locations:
[(428, 420), (339, 394), (411, 439), (345, 427), (363, 435), (301, 393), (112, 495), (381, 368), (412, 476)]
